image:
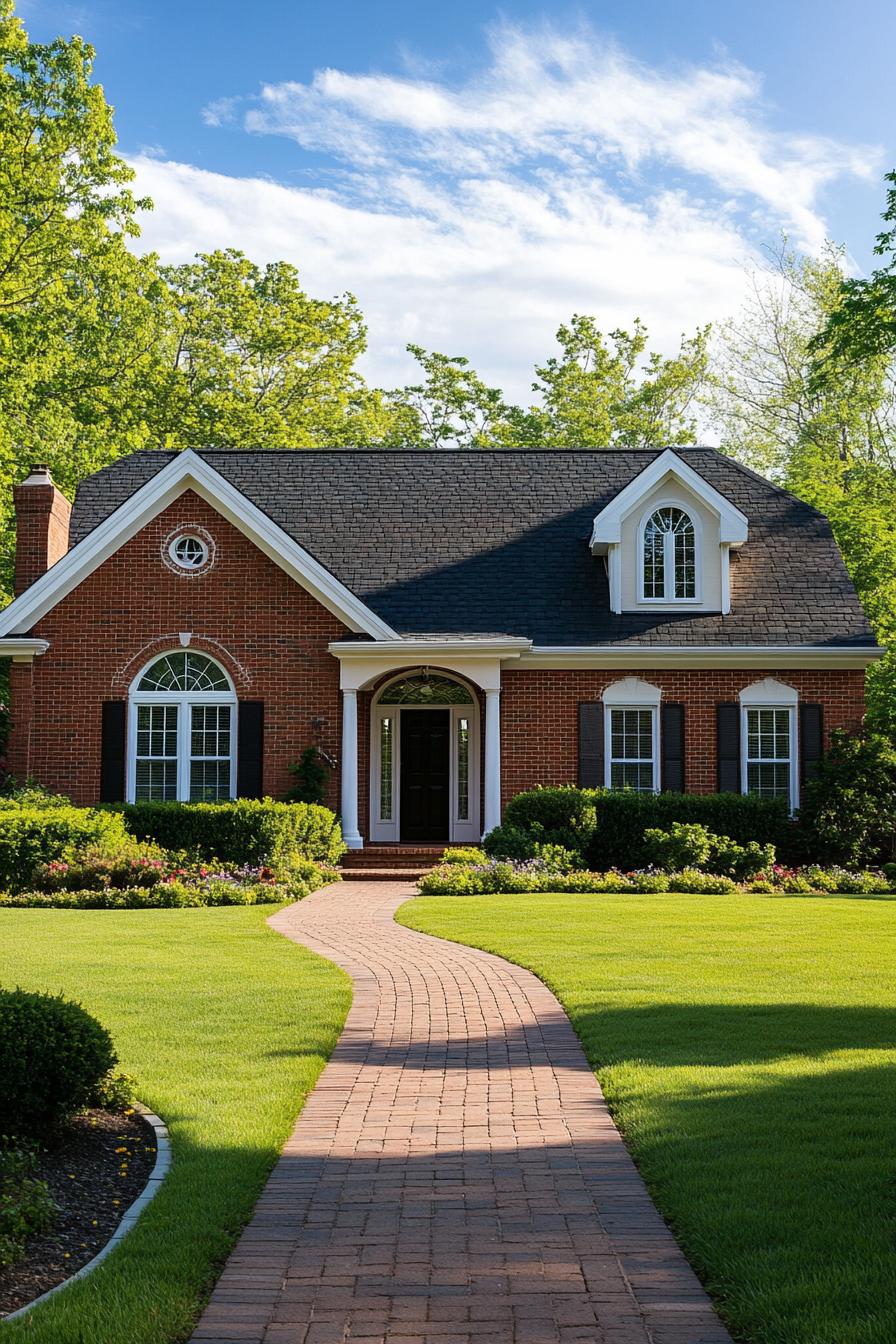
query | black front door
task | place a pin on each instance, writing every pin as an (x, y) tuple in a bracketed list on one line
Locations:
[(424, 775)]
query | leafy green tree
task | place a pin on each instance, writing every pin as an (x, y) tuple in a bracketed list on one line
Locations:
[(451, 408), (599, 394), (863, 325), (251, 359), (849, 812), (830, 437), (76, 306)]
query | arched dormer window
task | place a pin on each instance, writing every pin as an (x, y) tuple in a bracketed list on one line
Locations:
[(182, 731), (669, 557)]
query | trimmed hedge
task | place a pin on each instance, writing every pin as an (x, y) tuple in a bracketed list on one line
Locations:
[(250, 831), (31, 836), (608, 827), (53, 1056)]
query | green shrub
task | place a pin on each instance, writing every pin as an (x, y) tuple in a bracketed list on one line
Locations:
[(251, 831), (559, 815), (31, 837), (648, 882), (837, 879), (849, 809), (509, 842), (463, 854), (310, 775), (26, 1206), (690, 845), (53, 1055), (623, 818), (114, 1092), (684, 845), (701, 884)]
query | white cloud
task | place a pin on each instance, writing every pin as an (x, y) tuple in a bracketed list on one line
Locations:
[(474, 219)]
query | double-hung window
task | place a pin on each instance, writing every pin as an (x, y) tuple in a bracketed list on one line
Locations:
[(631, 735), (769, 747), (768, 741), (182, 740)]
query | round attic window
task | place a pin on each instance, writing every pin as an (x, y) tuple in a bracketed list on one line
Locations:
[(188, 551)]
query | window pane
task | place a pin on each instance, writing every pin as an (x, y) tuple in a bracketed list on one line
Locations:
[(156, 730), (426, 689), (632, 734), (209, 781), (386, 740), (210, 730), (463, 769), (156, 782), (631, 775), (771, 779), (654, 565), (675, 524), (685, 564), (184, 672)]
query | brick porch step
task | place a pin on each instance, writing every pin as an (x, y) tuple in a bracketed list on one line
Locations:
[(409, 859), (383, 874)]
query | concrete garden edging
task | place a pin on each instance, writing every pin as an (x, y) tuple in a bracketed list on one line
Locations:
[(131, 1214)]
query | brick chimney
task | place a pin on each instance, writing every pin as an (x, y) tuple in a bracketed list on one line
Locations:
[(42, 518)]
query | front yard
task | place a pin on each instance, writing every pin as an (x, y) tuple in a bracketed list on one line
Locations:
[(226, 1026), (747, 1047)]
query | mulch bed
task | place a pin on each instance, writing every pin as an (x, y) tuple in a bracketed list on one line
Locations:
[(94, 1171)]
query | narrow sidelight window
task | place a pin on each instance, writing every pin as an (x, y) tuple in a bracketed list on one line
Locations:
[(463, 769), (387, 735), (768, 752)]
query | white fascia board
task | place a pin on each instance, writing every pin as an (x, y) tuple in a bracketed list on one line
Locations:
[(476, 648), (607, 530), (188, 471), (480, 661), (23, 650), (600, 657)]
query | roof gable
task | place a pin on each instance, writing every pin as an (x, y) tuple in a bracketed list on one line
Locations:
[(668, 466), (188, 471)]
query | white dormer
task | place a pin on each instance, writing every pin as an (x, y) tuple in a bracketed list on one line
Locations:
[(667, 537)]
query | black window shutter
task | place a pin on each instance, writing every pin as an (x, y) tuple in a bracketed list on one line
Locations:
[(811, 740), (249, 748), (591, 746), (672, 748), (728, 747), (112, 751)]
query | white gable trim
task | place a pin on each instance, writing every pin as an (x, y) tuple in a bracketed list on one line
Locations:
[(188, 471), (607, 530)]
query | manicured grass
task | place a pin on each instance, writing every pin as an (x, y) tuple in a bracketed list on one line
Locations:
[(226, 1026), (747, 1047)]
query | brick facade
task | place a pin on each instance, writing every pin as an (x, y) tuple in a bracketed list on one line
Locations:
[(539, 716), (268, 633), (272, 638)]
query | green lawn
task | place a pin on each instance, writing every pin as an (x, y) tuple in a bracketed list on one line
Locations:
[(747, 1048), (226, 1026)]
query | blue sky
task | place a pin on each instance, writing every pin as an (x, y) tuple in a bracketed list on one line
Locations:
[(475, 174)]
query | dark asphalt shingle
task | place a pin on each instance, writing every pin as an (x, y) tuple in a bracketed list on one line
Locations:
[(485, 542)]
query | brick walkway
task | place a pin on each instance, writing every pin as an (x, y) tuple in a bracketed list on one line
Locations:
[(455, 1175)]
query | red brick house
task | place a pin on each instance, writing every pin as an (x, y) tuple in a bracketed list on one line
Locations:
[(448, 628)]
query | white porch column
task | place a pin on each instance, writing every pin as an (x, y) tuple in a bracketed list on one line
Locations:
[(350, 832), (492, 815)]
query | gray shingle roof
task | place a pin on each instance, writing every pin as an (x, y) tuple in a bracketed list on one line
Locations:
[(497, 542)]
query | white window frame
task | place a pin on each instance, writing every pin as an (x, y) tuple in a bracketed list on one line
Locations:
[(460, 831), (631, 693), (185, 700), (669, 558), (774, 695)]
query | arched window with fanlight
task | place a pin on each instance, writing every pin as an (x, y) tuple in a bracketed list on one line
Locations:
[(182, 731), (669, 557)]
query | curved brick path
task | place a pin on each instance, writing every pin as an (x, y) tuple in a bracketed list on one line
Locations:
[(455, 1175)]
